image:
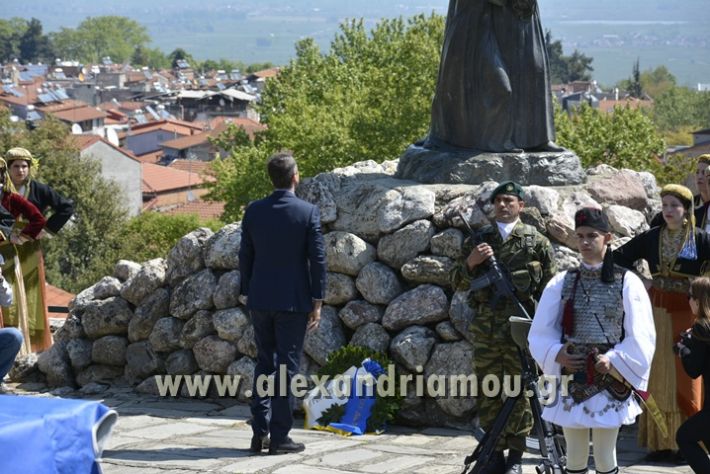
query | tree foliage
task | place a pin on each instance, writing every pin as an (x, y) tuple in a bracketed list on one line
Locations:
[(152, 235), (626, 138), (367, 98), (566, 69), (101, 36), (23, 40)]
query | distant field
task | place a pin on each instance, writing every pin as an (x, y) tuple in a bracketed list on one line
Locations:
[(669, 32)]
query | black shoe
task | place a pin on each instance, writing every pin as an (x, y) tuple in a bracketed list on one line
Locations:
[(496, 465), (663, 455), (514, 465), (258, 443), (287, 446)]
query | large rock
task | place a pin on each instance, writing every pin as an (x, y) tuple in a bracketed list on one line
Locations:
[(405, 244), (244, 369), (196, 328), (107, 287), (565, 257), (428, 269), (54, 363), (546, 200), (424, 304), (141, 362), (412, 347), (340, 289), (561, 229), (359, 312), (98, 373), (347, 253), (474, 205), (221, 251), (185, 258), (226, 295), (230, 323), (318, 193), (573, 202), (325, 339), (106, 317), (623, 189), (149, 278), (181, 362), (71, 329), (193, 294), (461, 314), (372, 336), (378, 283), (214, 354), (447, 331), (447, 243), (443, 166), (109, 350), (126, 269), (165, 336), (79, 352), (625, 221), (78, 304), (247, 343), (447, 360), (371, 207), (153, 307)]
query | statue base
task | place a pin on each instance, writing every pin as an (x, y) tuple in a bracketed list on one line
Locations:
[(433, 166)]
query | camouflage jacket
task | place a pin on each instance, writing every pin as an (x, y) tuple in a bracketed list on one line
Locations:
[(526, 254)]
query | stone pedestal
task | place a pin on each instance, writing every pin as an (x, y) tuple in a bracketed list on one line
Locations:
[(430, 166)]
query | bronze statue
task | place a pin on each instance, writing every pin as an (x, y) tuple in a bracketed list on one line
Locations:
[(493, 92)]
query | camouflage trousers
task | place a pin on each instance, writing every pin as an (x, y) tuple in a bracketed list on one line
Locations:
[(495, 353)]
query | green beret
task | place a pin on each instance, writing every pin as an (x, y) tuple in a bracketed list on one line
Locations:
[(508, 187)]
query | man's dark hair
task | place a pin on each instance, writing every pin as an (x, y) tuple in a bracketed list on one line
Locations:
[(282, 167)]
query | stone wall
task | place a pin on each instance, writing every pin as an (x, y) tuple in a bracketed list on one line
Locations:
[(390, 246)]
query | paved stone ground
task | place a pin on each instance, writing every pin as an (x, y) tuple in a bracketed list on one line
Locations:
[(161, 435)]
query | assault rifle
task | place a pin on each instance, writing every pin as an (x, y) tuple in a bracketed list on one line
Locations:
[(551, 449)]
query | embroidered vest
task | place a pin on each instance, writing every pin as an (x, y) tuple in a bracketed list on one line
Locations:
[(597, 320)]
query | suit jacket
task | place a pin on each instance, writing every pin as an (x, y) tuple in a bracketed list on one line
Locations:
[(282, 256)]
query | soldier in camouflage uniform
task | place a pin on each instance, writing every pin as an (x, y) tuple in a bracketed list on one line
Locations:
[(528, 257)]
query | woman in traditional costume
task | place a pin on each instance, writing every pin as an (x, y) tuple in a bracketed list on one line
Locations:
[(21, 166), (676, 252)]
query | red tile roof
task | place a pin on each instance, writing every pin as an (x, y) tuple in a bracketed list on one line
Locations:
[(57, 297), (203, 209), (157, 179), (248, 125), (84, 141), (267, 73), (175, 126), (79, 114), (194, 166), (152, 157)]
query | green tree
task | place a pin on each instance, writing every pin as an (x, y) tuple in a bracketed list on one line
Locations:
[(566, 69), (35, 46), (367, 98), (680, 108), (152, 235), (179, 54), (626, 138), (11, 31), (154, 58), (96, 37), (635, 88)]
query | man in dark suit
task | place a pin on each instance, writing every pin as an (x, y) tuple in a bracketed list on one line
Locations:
[(282, 264)]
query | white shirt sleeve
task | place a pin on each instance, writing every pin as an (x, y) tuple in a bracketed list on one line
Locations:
[(546, 330), (632, 356)]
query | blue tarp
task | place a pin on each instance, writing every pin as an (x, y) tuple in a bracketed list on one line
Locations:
[(52, 435)]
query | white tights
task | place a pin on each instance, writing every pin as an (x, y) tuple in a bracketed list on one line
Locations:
[(604, 442)]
